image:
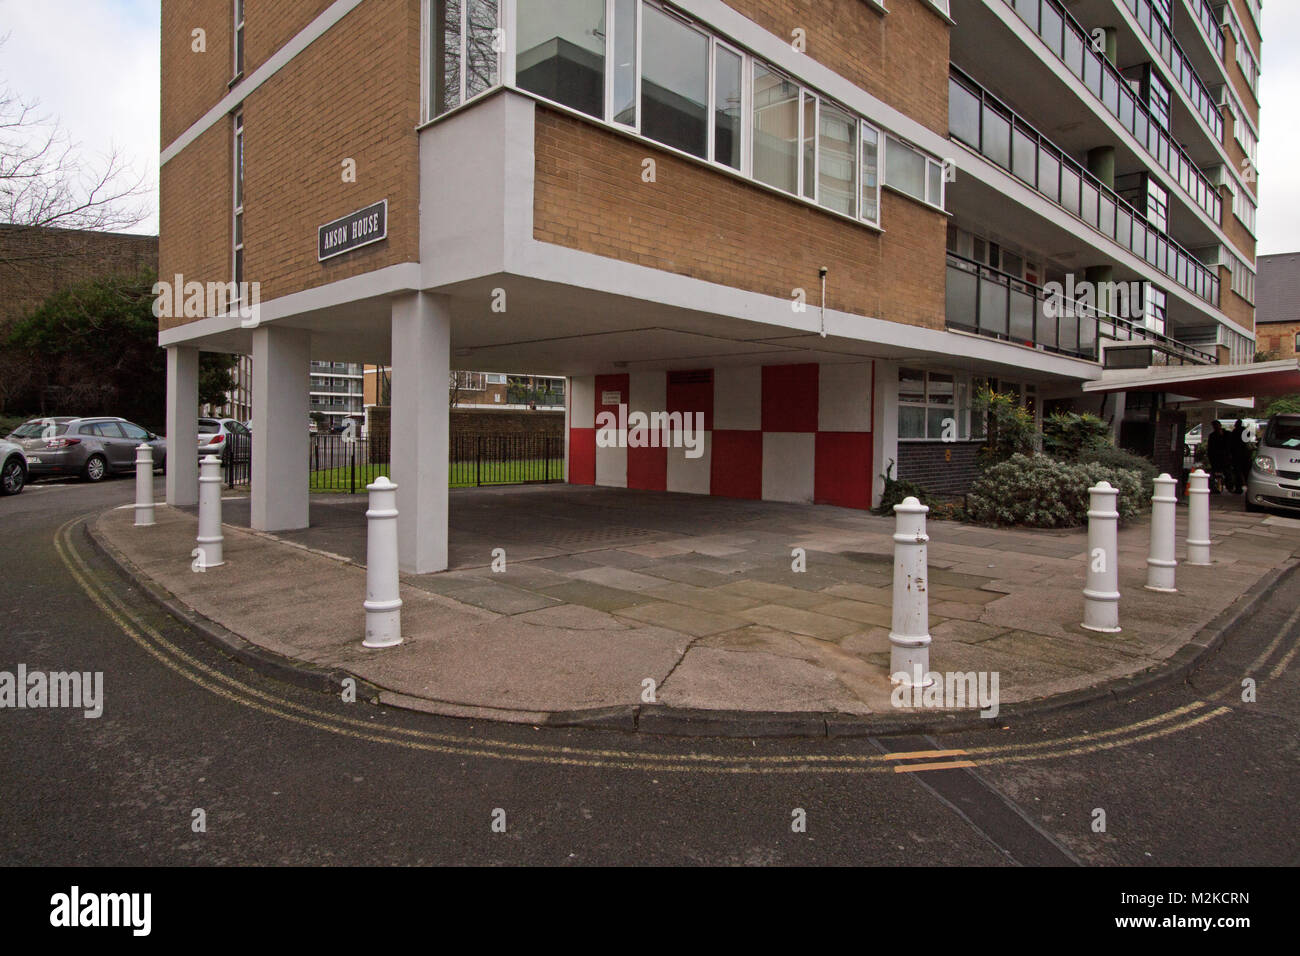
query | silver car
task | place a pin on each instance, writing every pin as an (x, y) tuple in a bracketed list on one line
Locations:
[(1275, 476), (13, 468), (89, 448)]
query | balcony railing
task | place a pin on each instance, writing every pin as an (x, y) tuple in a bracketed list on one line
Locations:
[(996, 304), (1210, 27), (991, 128), (1072, 45), (1181, 67)]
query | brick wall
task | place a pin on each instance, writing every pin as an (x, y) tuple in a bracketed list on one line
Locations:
[(293, 174), (192, 83), (1233, 305), (1278, 337), (1233, 228), (196, 222), (491, 422), (900, 57), (269, 26), (709, 225), (37, 262), (941, 468)]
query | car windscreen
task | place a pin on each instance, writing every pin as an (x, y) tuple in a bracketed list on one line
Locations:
[(209, 427), (1283, 433), (40, 430)]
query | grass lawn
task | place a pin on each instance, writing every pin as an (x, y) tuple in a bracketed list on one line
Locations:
[(462, 474)]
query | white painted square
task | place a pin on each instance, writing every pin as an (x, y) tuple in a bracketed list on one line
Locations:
[(738, 398), (611, 466), (690, 475), (788, 466), (582, 402), (844, 398)]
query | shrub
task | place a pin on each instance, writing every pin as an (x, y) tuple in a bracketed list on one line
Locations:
[(1113, 457), (1010, 425), (896, 490), (1071, 435), (1041, 492)]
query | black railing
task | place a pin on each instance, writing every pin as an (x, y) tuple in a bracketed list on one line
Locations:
[(995, 131), (1210, 27), (237, 460), (1162, 38), (1072, 45), (996, 304), (338, 464)]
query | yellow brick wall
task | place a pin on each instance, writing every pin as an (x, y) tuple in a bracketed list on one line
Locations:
[(706, 224), (192, 83)]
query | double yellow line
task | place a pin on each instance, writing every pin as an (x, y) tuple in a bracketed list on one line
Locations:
[(223, 685)]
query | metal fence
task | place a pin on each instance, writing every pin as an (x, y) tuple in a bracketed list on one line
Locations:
[(347, 466)]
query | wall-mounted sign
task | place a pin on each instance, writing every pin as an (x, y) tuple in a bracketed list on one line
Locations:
[(611, 398), (353, 231)]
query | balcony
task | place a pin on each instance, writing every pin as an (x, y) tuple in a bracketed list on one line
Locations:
[(992, 129), (1180, 67), (1209, 26), (1072, 45), (993, 303)]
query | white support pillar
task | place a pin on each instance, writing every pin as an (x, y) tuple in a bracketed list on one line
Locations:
[(420, 429), (281, 442), (182, 425), (884, 424)]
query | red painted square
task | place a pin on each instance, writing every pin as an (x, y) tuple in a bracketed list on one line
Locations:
[(611, 383), (790, 398), (582, 456), (647, 468), (842, 469), (691, 390), (736, 466)]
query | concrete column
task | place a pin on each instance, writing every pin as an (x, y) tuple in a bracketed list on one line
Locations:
[(182, 425), (421, 427), (1101, 163), (884, 425), (1099, 275), (281, 442)]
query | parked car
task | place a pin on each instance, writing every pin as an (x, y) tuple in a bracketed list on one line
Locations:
[(13, 468), (1274, 480), (91, 448), (225, 438)]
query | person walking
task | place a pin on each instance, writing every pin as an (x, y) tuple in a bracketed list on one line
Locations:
[(1241, 456), (1216, 451)]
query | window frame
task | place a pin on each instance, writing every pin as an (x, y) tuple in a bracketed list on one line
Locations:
[(237, 244), (240, 16), (962, 384), (930, 164)]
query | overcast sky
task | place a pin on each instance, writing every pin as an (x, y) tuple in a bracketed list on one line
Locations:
[(93, 64)]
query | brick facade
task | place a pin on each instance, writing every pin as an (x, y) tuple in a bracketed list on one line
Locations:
[(941, 468), (900, 57), (194, 82), (37, 262), (1279, 338), (709, 225)]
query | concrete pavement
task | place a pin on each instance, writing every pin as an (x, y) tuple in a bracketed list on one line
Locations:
[(606, 589)]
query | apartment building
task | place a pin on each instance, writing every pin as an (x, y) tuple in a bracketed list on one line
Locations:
[(817, 227)]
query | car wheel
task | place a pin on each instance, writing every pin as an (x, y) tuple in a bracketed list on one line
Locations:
[(12, 477), (95, 468)]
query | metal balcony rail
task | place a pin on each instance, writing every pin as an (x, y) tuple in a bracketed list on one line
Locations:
[(1179, 65), (999, 305), (1072, 45), (1209, 24), (991, 128)]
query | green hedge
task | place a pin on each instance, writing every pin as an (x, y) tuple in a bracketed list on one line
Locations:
[(1041, 492)]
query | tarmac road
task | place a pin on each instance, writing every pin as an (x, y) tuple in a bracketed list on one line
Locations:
[(1187, 774)]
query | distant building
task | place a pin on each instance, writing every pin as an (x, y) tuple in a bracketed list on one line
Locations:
[(1277, 309)]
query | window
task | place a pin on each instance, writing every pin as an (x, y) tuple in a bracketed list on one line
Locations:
[(870, 174), (913, 173), (837, 165), (776, 129), (239, 38), (933, 405), (674, 82), (1243, 278), (1158, 101), (238, 228), (726, 106), (464, 59), (1249, 65), (1157, 205), (133, 432), (1243, 207), (1154, 307), (561, 54)]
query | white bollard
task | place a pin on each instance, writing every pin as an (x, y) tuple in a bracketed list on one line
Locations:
[(383, 596), (1198, 519), (1162, 562), (1101, 592), (909, 638), (144, 485), (210, 538)]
